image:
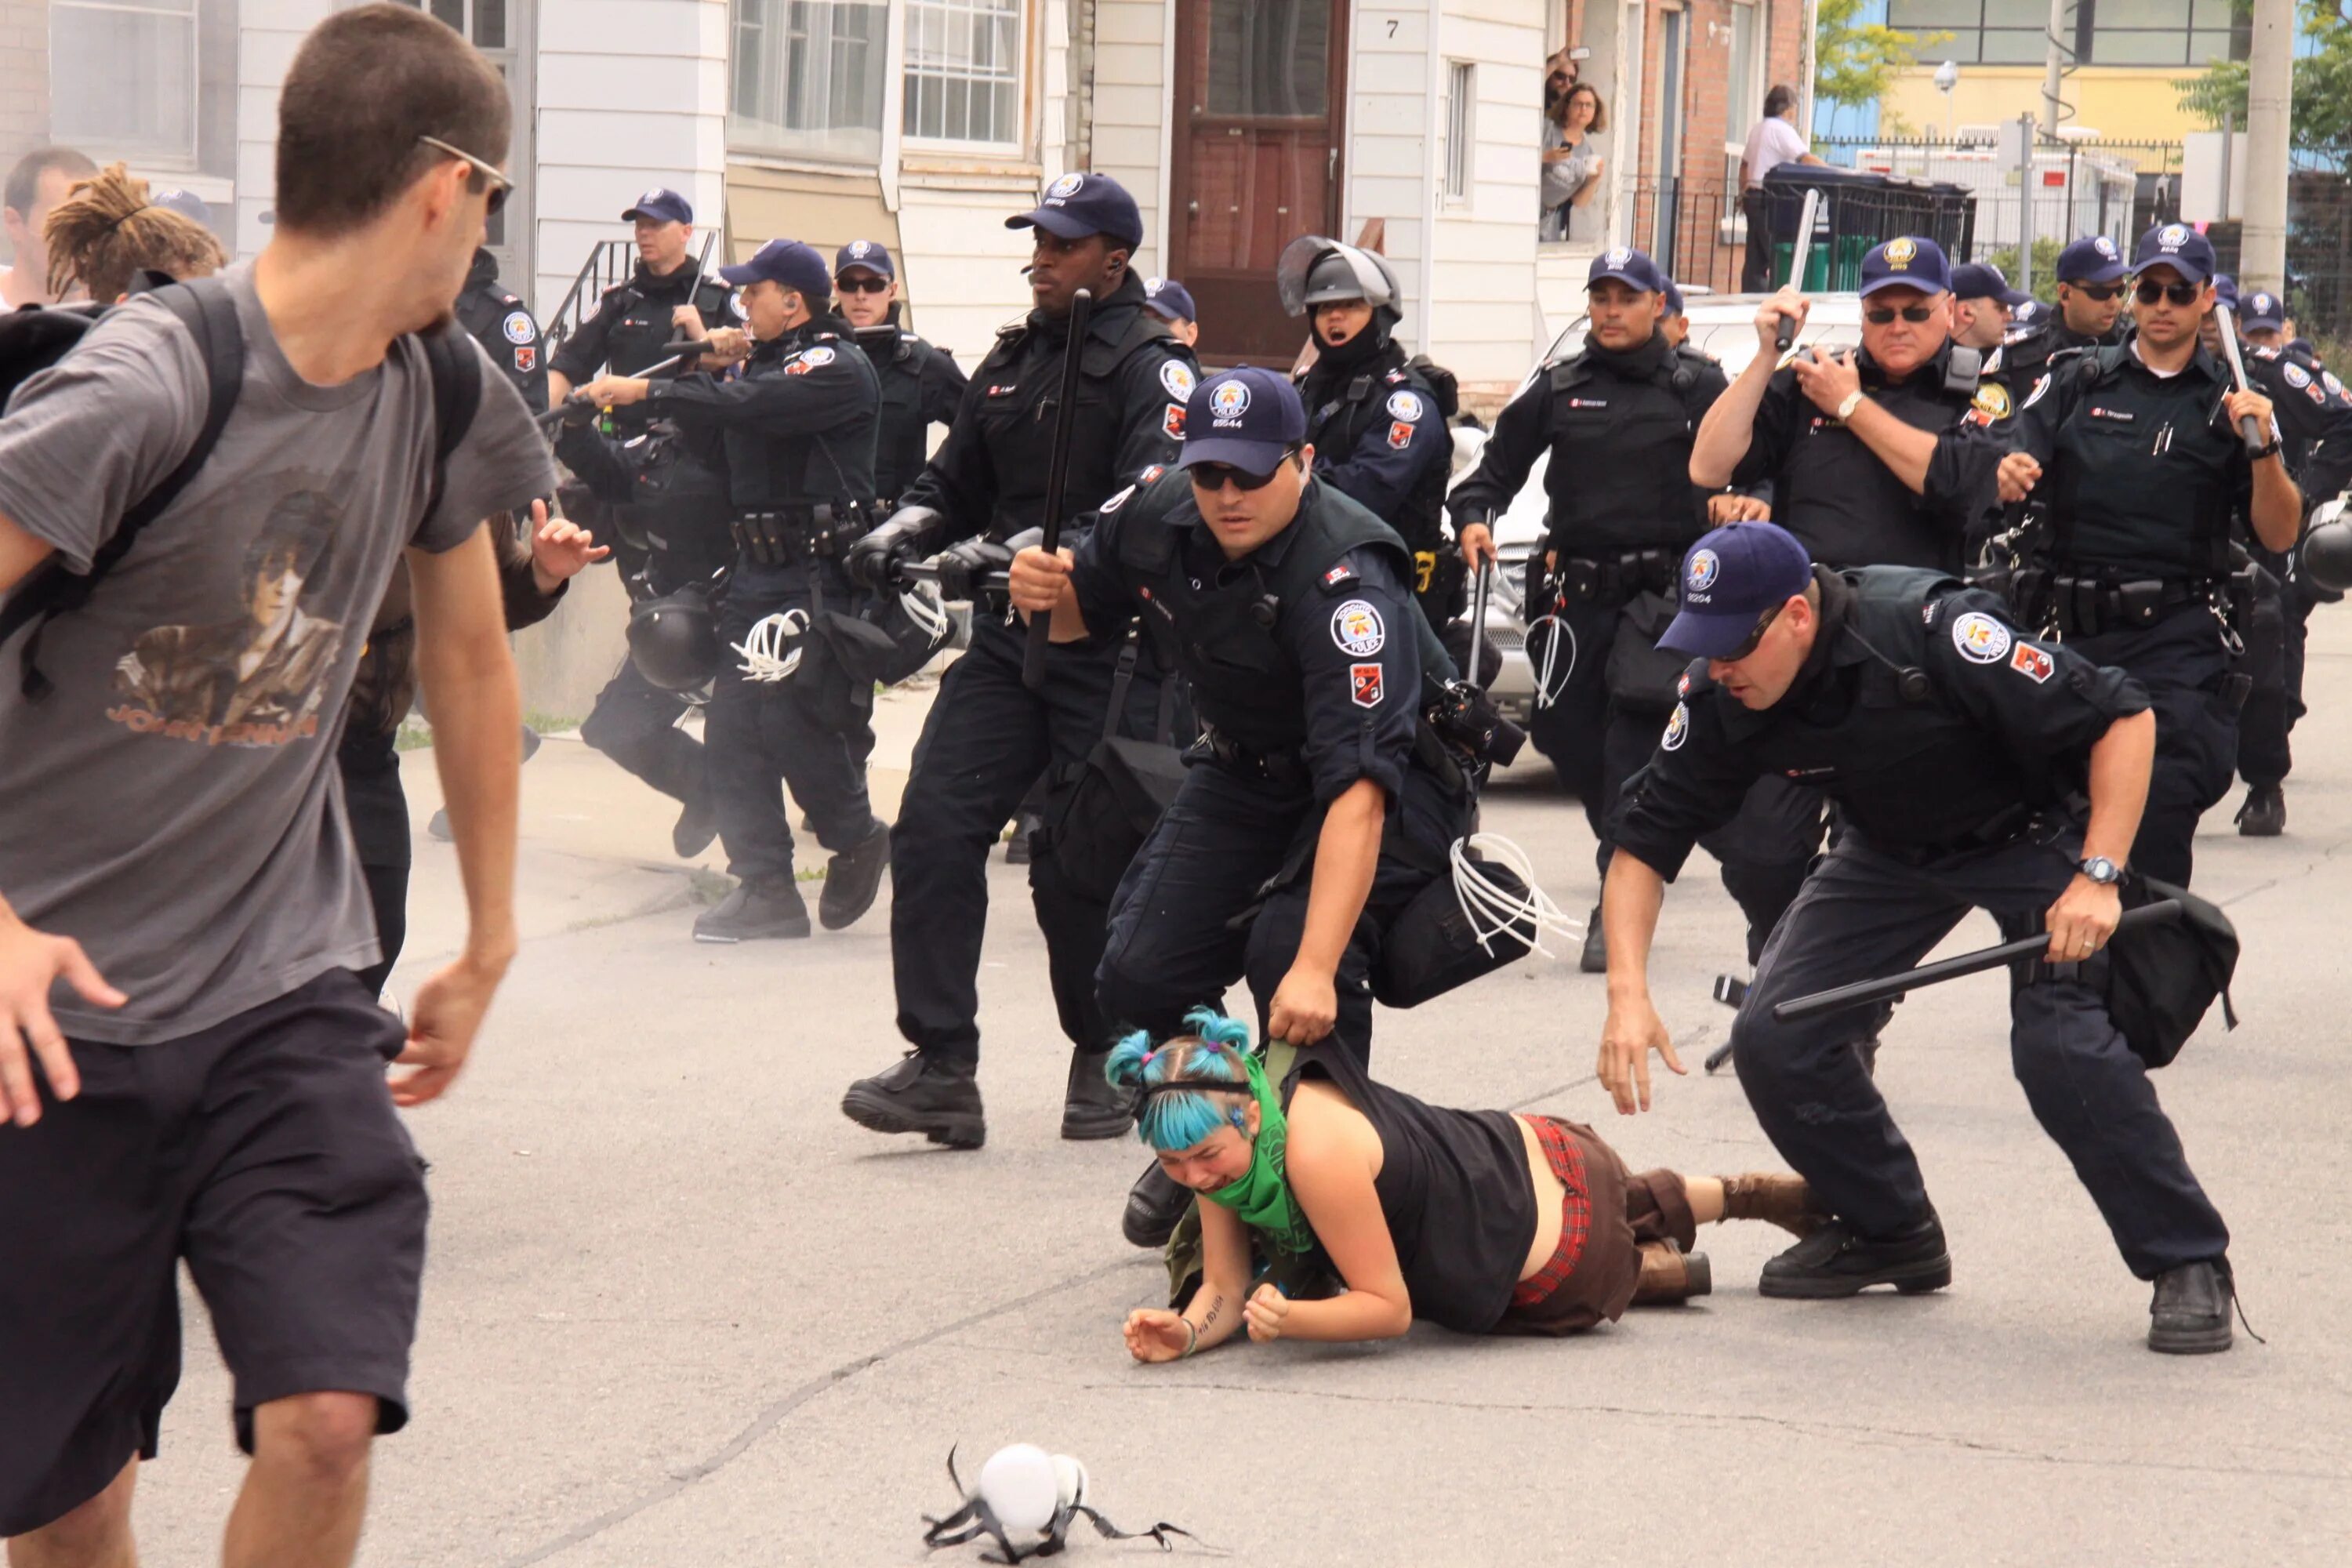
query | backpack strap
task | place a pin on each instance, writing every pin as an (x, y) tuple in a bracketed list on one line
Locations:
[(206, 309), (457, 372)]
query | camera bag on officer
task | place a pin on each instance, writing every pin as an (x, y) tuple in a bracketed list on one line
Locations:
[(1108, 805), (31, 341), (2163, 975)]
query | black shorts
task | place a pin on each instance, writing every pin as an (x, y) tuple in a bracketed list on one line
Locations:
[(266, 1152)]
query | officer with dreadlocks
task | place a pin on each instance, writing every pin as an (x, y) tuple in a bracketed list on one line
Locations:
[(794, 434), (989, 737), (1376, 419), (2135, 453), (1616, 418)]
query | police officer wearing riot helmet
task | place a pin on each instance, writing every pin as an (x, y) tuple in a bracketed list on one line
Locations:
[(1956, 746), (2134, 458), (1376, 422), (988, 737), (2315, 423), (795, 435), (1617, 419), (921, 384), (506, 328), (1314, 811), (666, 300), (1981, 302)]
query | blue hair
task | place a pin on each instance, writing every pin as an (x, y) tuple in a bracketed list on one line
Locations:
[(1209, 1051)]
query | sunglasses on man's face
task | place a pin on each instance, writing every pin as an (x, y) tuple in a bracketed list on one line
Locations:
[(2150, 291), (869, 284), (1215, 476), (499, 184), (1884, 314), (1755, 638), (2101, 292)]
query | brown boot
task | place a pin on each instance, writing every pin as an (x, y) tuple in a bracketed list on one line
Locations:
[(1782, 1200), (1670, 1276)]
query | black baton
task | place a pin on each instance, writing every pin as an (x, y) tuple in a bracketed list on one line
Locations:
[(1058, 472)]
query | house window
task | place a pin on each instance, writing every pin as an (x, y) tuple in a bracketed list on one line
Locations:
[(1744, 87), (133, 67), (806, 78), (2187, 33), (1269, 58), (963, 71), (1460, 126)]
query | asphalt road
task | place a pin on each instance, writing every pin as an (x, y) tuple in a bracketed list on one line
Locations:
[(680, 1311)]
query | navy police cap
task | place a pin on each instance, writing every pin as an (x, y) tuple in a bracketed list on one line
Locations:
[(1632, 267), (788, 262), (870, 254), (1906, 261), (662, 204), (1731, 576), (1983, 280), (1169, 300), (1245, 417), (2178, 247), (2092, 260), (1077, 205)]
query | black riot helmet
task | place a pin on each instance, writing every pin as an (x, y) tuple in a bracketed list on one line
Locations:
[(2328, 554), (674, 640), (1313, 270)]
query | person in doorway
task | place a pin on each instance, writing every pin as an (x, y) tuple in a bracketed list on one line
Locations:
[(1559, 81), (1571, 167), (1772, 141)]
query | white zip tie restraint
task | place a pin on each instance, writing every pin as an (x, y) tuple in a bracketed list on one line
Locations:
[(763, 647), (924, 608), (1547, 693), (1495, 910)]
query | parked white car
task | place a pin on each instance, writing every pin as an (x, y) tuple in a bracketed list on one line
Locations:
[(1722, 325)]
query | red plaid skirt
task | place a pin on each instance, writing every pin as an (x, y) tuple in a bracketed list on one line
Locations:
[(1566, 1157)]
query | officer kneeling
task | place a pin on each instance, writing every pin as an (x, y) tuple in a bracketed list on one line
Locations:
[(1955, 746)]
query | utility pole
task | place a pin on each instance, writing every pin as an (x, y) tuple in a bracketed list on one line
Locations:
[(2054, 59), (2270, 87), (2026, 149)]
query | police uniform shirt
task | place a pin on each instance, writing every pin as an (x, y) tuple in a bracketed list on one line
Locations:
[(1846, 506), (2004, 720), (506, 328), (1382, 447), (1348, 645), (989, 475), (796, 425), (2315, 416), (2141, 472), (633, 321), (921, 386), (1618, 425)]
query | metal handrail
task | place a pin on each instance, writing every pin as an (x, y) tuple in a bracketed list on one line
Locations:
[(610, 263)]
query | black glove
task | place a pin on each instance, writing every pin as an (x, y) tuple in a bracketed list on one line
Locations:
[(874, 560), (578, 409), (962, 568)]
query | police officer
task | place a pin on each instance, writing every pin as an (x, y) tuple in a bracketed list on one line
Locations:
[(2316, 422), (1952, 742), (1981, 302), (2093, 281), (1316, 807), (989, 737), (1878, 457), (1172, 303), (1674, 321), (795, 435), (1376, 420), (505, 328), (921, 384), (1617, 419), (634, 319), (2134, 454)]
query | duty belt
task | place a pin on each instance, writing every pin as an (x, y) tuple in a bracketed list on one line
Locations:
[(2005, 827), (779, 538), (1283, 768), (2078, 604), (1616, 577)]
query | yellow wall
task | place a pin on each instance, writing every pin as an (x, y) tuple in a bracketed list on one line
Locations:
[(2125, 103)]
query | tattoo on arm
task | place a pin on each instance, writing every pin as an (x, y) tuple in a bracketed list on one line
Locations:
[(1217, 1309)]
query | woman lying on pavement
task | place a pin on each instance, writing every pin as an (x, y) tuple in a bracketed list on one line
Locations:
[(1389, 1209)]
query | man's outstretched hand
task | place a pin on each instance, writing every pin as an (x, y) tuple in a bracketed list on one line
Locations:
[(31, 962)]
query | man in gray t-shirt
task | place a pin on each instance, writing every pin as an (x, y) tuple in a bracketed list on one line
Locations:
[(188, 1068)]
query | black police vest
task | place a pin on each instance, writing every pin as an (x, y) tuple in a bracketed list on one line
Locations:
[(786, 473), (2141, 473), (900, 435), (1337, 423), (1220, 632), (1020, 381), (1621, 444), (643, 325), (1848, 507)]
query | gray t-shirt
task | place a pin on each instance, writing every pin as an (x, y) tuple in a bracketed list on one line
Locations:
[(174, 804)]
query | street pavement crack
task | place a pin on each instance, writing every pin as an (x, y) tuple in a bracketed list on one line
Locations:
[(773, 1415)]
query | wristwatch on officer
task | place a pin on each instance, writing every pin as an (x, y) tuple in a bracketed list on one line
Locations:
[(2273, 450), (2100, 869), (1853, 401)]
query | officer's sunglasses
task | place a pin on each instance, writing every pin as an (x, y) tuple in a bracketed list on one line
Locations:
[(869, 284), (2150, 291), (1215, 476), (2101, 292), (1884, 315), (499, 183), (1756, 638)]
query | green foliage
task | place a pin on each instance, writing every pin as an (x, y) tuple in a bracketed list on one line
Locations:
[(2320, 115), (1854, 62), (2045, 267)]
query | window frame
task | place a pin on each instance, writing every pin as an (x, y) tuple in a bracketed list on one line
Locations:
[(1967, 45), (1458, 120), (1024, 40), (1740, 117), (742, 141), (187, 158)]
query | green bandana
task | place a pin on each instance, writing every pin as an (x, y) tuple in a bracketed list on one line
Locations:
[(1261, 1199)]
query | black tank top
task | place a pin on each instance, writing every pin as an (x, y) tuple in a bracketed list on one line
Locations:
[(1454, 1187)]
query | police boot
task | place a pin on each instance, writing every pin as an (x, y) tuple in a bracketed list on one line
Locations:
[(853, 877), (2264, 813), (1155, 1207), (755, 911), (1594, 959), (697, 825), (1670, 1275), (1091, 1107), (936, 1096), (2191, 1314), (1774, 1198), (1837, 1261)]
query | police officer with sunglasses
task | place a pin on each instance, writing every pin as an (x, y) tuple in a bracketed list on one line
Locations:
[(2132, 456), (2094, 282), (921, 385)]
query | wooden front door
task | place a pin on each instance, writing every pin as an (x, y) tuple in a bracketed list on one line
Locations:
[(1259, 93)]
